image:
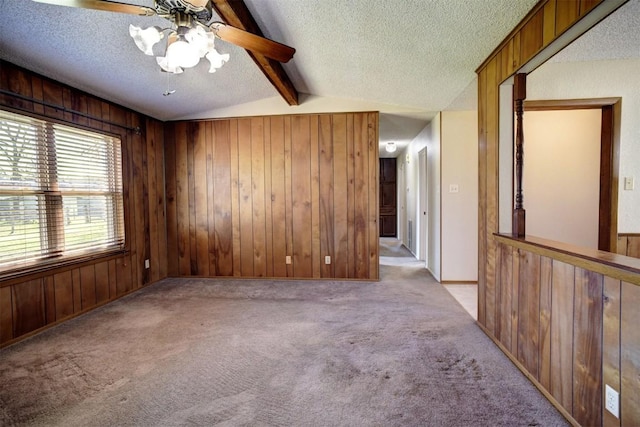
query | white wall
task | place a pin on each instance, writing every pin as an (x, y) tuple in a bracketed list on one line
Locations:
[(452, 158), (602, 79), (561, 175), (459, 136), (408, 165)]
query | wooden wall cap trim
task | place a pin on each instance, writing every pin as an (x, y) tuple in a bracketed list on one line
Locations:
[(43, 269), (607, 263), (569, 104)]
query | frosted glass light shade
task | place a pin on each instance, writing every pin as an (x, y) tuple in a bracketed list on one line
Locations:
[(216, 59), (183, 54), (390, 147), (145, 39), (163, 62)]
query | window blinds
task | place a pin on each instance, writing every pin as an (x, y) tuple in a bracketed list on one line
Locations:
[(60, 191)]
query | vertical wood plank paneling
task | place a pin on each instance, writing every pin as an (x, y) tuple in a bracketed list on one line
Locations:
[(326, 194), (27, 300), (374, 202), (182, 200), (140, 208), (49, 299), (611, 321), (245, 193), (201, 196), (160, 201), (340, 218), (549, 22), (268, 217), (504, 298), (171, 172), (77, 290), (301, 196), (316, 257), (544, 356), (491, 188), (257, 197), (529, 309), (515, 295), (351, 198), (123, 276), (361, 196), (278, 197), (193, 132), (633, 246), (566, 14), (153, 273), (562, 334), (281, 173), (6, 315), (288, 196), (87, 286), (222, 201), (113, 279), (482, 194), (587, 5), (63, 288), (629, 355), (587, 348), (102, 282), (531, 36), (235, 197)]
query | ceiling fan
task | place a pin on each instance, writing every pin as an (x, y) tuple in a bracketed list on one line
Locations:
[(192, 35)]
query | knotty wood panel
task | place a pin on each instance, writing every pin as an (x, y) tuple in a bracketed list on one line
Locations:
[(303, 186), (546, 283)]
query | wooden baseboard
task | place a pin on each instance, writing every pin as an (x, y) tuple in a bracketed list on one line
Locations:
[(459, 282)]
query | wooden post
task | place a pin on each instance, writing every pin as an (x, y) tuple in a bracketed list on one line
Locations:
[(519, 95)]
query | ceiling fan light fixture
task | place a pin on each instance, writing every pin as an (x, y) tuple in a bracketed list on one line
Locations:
[(216, 59), (145, 39), (390, 147), (183, 54), (163, 62)]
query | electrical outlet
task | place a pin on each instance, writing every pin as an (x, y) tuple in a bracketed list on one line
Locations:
[(453, 188), (287, 259), (327, 260), (146, 263), (612, 402)]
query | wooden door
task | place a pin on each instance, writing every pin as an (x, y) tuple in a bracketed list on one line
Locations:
[(388, 198)]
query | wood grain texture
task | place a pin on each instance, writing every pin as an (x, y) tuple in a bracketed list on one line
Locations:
[(28, 307), (546, 301), (6, 315), (629, 355), (529, 309), (272, 183), (562, 295), (611, 343), (587, 348)]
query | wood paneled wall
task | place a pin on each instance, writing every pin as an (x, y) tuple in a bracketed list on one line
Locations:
[(629, 244), (34, 301), (571, 329), (565, 326), (243, 194)]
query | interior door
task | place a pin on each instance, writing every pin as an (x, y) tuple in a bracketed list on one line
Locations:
[(388, 198)]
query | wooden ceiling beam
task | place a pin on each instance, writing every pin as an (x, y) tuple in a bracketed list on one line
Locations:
[(236, 13)]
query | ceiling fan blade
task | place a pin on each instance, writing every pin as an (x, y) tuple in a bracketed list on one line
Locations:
[(252, 42), (109, 6)]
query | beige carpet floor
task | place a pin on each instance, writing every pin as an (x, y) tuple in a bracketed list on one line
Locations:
[(202, 352)]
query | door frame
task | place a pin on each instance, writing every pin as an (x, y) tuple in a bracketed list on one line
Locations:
[(609, 159)]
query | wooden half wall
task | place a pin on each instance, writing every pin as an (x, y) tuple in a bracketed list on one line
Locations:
[(244, 194), (566, 323), (33, 301)]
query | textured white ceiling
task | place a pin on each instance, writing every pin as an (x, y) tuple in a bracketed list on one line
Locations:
[(407, 59)]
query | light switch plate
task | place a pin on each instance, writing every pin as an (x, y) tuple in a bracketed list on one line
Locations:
[(628, 183)]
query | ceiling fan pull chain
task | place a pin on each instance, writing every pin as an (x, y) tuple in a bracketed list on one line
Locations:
[(168, 92)]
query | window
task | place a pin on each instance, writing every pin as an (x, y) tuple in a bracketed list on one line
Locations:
[(60, 191)]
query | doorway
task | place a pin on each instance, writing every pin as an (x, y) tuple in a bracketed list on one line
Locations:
[(388, 198), (423, 205)]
